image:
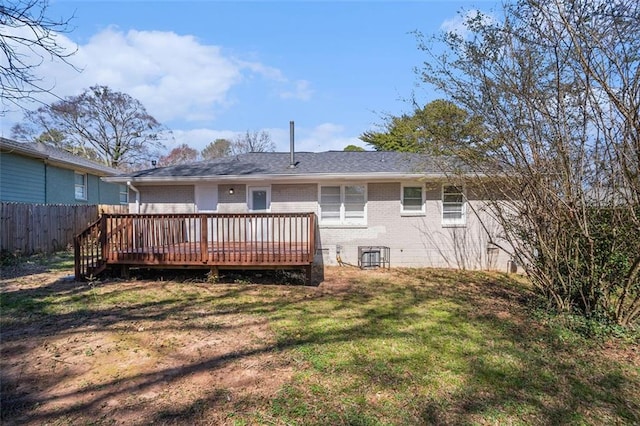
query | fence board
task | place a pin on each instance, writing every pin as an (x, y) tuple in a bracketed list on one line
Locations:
[(45, 228)]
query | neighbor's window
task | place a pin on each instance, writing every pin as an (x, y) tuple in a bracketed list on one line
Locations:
[(412, 199), (343, 204), (124, 194), (453, 208), (81, 186)]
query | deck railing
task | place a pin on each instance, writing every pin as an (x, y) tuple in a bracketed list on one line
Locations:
[(88, 247), (185, 239)]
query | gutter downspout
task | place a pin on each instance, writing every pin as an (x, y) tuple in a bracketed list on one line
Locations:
[(134, 189)]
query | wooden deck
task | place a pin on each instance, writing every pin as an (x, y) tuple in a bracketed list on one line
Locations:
[(212, 241)]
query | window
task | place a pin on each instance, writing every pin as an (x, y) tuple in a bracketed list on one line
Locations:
[(124, 194), (343, 204), (81, 186), (453, 209), (259, 199), (206, 197), (413, 199)]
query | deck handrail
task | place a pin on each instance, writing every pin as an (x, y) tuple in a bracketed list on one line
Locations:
[(88, 248)]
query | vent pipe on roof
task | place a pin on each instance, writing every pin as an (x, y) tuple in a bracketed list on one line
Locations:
[(292, 148)]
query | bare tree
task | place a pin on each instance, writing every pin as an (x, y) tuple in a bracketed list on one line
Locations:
[(112, 125), (28, 37), (253, 141), (182, 154), (216, 149), (557, 83)]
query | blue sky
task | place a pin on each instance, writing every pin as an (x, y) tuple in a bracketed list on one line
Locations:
[(210, 69)]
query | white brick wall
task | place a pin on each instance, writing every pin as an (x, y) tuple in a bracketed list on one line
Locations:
[(413, 240), (167, 199), (419, 240), (232, 203), (300, 198)]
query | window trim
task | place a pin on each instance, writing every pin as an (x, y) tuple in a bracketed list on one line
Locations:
[(454, 222), (84, 186), (343, 221), (250, 190), (121, 192), (422, 210)]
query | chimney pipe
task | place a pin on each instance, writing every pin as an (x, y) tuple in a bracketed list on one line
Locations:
[(292, 159)]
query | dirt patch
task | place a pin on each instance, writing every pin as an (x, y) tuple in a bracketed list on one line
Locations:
[(136, 364), (139, 362)]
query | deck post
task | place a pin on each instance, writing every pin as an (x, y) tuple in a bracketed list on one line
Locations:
[(309, 276), (103, 238), (204, 237), (214, 274), (312, 236), (124, 272)]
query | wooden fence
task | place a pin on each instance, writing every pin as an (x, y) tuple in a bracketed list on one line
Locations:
[(45, 228)]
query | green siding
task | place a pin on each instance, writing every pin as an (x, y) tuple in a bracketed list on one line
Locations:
[(61, 186), (22, 179), (109, 193), (29, 180)]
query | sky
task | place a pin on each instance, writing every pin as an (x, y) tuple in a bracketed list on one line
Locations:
[(211, 69)]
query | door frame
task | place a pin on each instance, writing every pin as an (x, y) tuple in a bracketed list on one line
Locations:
[(250, 191)]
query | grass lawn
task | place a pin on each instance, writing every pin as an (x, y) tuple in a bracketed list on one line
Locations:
[(406, 346)]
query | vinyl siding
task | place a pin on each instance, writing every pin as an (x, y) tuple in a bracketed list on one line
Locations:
[(22, 179), (61, 186), (109, 193)]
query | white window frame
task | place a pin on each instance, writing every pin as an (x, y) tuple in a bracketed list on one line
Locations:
[(205, 194), (343, 220), (413, 212), (250, 197), (84, 186), (463, 206), (123, 189)]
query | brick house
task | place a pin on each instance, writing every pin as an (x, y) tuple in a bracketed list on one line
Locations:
[(372, 208)]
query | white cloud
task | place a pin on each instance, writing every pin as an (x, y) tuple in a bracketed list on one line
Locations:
[(176, 77), (301, 91), (323, 137)]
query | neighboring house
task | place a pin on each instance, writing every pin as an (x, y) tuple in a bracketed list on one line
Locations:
[(38, 173), (365, 199)]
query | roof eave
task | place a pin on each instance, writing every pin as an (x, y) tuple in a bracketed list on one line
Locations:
[(26, 151), (312, 177), (78, 167), (53, 160)]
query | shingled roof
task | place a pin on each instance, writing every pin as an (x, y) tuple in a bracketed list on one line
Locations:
[(56, 155), (306, 165)]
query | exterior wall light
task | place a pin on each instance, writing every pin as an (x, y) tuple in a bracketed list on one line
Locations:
[(231, 191)]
